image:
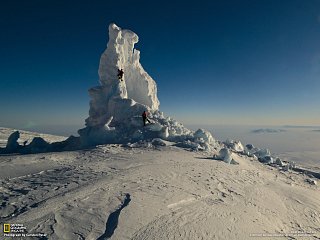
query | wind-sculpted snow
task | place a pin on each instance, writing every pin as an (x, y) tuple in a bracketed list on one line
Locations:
[(31, 190), (113, 218), (173, 194)]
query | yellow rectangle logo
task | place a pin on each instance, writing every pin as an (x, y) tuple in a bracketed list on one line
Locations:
[(6, 228)]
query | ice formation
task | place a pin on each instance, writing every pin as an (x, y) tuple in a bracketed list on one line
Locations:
[(116, 100), (12, 143), (234, 145), (225, 155), (116, 105)]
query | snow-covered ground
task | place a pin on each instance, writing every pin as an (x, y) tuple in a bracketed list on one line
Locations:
[(154, 193)]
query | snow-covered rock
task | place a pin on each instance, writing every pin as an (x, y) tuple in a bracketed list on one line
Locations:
[(202, 135), (261, 153), (37, 145), (189, 144), (311, 181), (289, 166), (266, 159), (234, 145), (164, 133), (292, 164), (139, 144), (279, 162), (250, 151), (250, 147), (158, 142), (12, 143), (226, 156)]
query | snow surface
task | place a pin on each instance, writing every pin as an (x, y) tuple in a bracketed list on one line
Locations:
[(154, 192)]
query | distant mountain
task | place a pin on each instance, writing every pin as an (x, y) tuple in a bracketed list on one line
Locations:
[(268, 130), (297, 126)]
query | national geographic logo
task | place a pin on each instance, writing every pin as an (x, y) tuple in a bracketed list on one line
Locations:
[(6, 228), (19, 230)]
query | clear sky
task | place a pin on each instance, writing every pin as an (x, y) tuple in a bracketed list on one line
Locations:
[(215, 62)]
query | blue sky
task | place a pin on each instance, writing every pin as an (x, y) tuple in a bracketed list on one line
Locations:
[(215, 62)]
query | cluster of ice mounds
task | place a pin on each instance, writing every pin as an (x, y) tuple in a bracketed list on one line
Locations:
[(263, 155), (226, 153), (39, 145), (116, 105)]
